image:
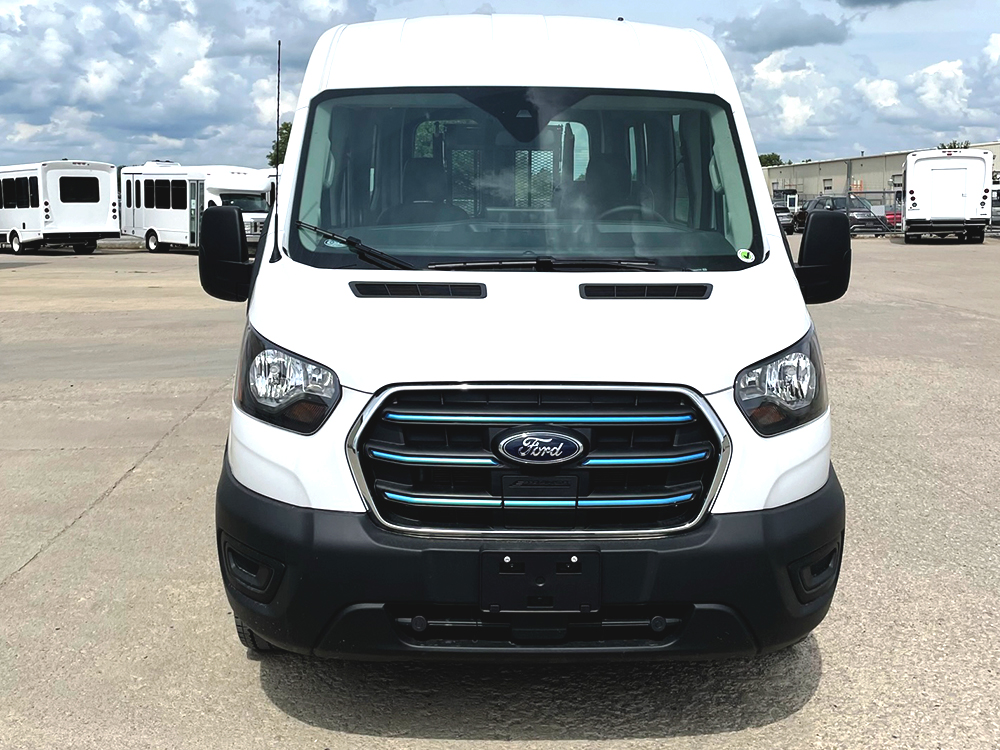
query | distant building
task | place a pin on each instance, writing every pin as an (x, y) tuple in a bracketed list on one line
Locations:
[(876, 177)]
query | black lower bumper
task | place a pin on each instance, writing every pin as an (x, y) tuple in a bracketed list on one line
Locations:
[(78, 237), (932, 226), (336, 584)]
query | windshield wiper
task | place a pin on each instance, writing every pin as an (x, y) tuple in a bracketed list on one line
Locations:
[(547, 264), (356, 246)]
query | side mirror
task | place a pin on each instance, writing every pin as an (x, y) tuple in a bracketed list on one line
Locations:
[(223, 257), (824, 267)]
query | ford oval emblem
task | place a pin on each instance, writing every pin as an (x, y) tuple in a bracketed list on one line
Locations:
[(540, 447)]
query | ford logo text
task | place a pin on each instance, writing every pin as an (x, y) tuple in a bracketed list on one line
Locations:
[(539, 447)]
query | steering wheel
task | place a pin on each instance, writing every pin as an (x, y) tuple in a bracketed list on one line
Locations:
[(643, 211)]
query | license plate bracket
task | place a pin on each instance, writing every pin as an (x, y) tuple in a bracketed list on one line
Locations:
[(540, 582)]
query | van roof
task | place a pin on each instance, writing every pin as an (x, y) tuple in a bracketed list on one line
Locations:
[(516, 50)]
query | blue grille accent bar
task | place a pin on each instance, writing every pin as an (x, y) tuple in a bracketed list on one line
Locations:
[(660, 461), (635, 502), (525, 419), (433, 460), (467, 502)]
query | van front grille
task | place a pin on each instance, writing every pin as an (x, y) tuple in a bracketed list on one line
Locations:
[(429, 458)]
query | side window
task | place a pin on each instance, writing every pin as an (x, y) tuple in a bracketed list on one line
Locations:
[(161, 194), (682, 191), (21, 192), (128, 193), (178, 194), (33, 191), (9, 199), (148, 190)]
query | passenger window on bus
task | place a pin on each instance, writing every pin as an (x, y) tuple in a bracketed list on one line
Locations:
[(138, 194), (33, 191), (178, 194), (128, 193), (148, 188), (162, 194), (9, 199), (21, 192), (79, 190)]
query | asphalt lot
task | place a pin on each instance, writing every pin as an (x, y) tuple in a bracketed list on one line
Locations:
[(115, 376)]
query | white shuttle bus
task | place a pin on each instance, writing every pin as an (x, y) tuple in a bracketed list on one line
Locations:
[(58, 203), (162, 204), (244, 187), (529, 371), (947, 191)]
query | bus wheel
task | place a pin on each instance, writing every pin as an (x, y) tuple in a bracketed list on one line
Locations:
[(15, 244), (153, 243), (87, 249), (909, 239)]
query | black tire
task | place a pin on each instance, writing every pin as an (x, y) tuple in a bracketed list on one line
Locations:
[(153, 243), (16, 246), (250, 639), (87, 249), (978, 238), (909, 239)]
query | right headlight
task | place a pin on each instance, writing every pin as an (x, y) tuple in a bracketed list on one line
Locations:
[(784, 391), (282, 388)]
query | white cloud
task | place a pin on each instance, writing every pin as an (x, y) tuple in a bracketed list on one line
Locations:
[(795, 113), (772, 72), (263, 93), (101, 80), (53, 49), (992, 49), (941, 87), (880, 93), (24, 132)]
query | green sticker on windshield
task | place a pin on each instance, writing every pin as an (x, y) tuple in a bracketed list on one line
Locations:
[(746, 256)]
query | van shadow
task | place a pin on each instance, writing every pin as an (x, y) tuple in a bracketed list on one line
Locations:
[(505, 702)]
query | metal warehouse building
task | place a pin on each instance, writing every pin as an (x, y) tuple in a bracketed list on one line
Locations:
[(876, 177)]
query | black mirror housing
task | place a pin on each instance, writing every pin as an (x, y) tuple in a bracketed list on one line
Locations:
[(824, 267), (223, 256)]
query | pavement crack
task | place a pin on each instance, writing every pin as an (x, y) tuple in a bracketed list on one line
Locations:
[(117, 483)]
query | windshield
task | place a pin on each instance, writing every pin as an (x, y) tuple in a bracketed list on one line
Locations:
[(439, 176), (246, 201)]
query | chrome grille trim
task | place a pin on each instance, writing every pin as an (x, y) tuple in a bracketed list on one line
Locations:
[(353, 450)]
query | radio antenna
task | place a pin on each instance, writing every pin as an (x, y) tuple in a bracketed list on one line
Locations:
[(276, 254)]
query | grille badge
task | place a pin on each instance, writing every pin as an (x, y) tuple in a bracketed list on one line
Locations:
[(540, 447)]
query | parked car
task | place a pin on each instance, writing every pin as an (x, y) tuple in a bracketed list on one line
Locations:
[(893, 216), (785, 218), (859, 213)]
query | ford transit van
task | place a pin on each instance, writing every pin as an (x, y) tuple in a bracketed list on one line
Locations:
[(528, 370)]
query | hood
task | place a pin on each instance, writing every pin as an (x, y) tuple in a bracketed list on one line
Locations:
[(530, 327)]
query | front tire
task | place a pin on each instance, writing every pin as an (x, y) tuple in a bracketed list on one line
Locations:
[(87, 249), (153, 243), (250, 639), (16, 246), (909, 239)]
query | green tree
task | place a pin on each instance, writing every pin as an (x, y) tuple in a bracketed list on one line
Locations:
[(955, 143), (770, 160), (277, 155)]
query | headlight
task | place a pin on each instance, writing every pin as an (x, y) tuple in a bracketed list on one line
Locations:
[(784, 391), (278, 387), (859, 215)]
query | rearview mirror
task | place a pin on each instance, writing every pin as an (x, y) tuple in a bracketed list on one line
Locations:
[(223, 257), (824, 267)]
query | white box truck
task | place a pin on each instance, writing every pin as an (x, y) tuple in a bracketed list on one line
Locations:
[(58, 203), (528, 370), (163, 204), (947, 191), (245, 187)]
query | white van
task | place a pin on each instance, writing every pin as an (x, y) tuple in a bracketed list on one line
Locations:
[(947, 191), (58, 203), (528, 370), (162, 204), (245, 187)]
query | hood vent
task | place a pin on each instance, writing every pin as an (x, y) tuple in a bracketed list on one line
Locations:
[(403, 289), (645, 291)]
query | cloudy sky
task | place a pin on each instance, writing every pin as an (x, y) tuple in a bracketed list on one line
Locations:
[(128, 80)]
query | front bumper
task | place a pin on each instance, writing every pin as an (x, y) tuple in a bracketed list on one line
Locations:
[(335, 584)]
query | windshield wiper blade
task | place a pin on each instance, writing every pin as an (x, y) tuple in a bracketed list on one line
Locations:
[(356, 246), (547, 264)]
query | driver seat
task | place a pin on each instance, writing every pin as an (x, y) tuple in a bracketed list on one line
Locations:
[(425, 191)]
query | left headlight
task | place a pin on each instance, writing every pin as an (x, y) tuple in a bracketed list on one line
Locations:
[(282, 388), (784, 391)]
